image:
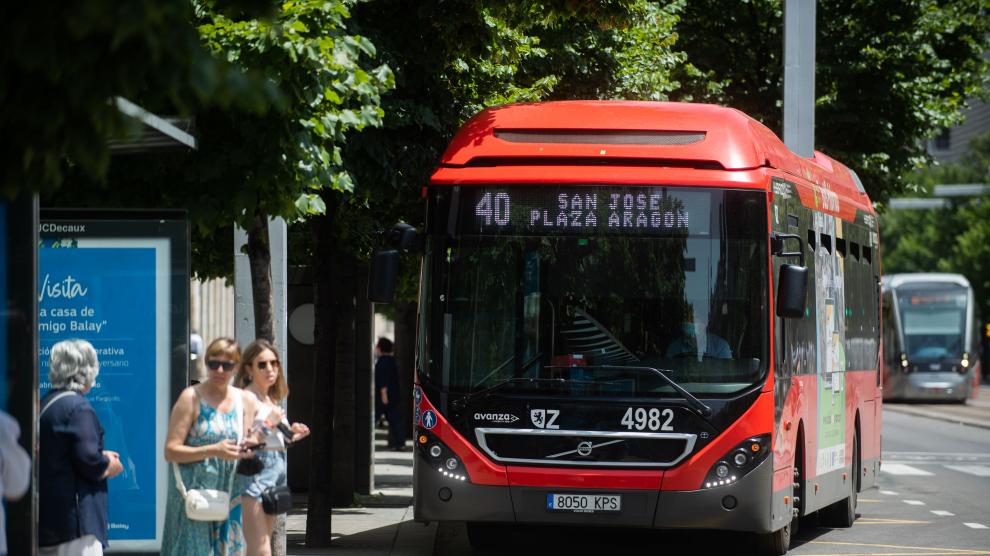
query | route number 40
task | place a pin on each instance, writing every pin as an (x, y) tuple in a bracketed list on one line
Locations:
[(640, 418)]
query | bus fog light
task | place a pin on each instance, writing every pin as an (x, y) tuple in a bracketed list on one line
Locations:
[(730, 502), (435, 450), (445, 494), (451, 463)]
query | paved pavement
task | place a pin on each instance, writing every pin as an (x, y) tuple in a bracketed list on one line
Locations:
[(382, 524)]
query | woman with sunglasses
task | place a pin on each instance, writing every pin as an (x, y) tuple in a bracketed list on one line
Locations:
[(204, 437), (262, 375)]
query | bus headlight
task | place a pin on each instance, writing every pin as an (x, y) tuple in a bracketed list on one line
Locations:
[(904, 363), (738, 461), (964, 363)]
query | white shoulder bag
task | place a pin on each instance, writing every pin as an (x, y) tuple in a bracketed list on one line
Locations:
[(208, 504)]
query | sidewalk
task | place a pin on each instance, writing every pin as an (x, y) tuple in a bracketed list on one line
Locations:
[(975, 412), (381, 525)]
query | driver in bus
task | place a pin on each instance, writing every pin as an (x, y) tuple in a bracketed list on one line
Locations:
[(696, 340)]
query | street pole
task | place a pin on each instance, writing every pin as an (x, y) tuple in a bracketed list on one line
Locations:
[(799, 76)]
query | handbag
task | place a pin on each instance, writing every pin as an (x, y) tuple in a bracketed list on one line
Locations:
[(203, 504), (209, 504), (276, 500)]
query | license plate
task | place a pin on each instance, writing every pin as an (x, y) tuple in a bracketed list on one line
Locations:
[(584, 503)]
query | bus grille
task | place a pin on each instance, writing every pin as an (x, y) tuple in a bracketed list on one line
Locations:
[(585, 448)]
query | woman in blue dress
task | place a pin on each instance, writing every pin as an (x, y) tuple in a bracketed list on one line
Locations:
[(205, 433)]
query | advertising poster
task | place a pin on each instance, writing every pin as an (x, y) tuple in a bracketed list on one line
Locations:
[(117, 294), (830, 327)]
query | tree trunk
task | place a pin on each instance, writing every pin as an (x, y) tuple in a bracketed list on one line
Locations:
[(344, 387), (319, 510), (405, 358), (260, 261), (364, 403)]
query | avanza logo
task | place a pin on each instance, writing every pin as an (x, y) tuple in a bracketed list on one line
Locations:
[(500, 418)]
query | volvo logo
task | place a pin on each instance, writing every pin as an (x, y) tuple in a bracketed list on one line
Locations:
[(584, 448)]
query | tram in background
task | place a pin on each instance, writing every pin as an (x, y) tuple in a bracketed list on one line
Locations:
[(931, 337)]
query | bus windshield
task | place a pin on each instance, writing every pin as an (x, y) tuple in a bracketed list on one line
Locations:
[(934, 320), (586, 284)]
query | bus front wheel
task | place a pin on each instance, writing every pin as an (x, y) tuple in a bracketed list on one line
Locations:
[(776, 543)]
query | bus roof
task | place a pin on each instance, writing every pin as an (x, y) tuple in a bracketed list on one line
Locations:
[(629, 133), (898, 280)]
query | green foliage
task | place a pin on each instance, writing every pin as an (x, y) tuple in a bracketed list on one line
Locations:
[(888, 75), (274, 161), (954, 239), (62, 64), (453, 58)]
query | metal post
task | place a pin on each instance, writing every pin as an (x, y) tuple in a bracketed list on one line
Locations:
[(799, 76)]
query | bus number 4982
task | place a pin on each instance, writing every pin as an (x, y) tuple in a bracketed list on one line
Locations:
[(653, 419)]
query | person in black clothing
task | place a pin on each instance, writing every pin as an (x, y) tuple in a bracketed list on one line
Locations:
[(387, 392), (73, 466)]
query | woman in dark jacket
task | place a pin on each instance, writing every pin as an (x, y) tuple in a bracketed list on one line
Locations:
[(73, 467)]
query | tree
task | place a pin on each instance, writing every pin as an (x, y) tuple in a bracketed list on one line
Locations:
[(954, 239), (63, 63), (888, 74)]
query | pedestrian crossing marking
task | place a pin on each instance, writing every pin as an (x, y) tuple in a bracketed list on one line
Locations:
[(888, 521), (902, 469), (976, 526), (914, 502), (943, 513), (928, 551), (978, 470)]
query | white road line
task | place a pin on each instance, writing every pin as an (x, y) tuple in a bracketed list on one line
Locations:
[(914, 502), (978, 470), (888, 493), (943, 513), (902, 469), (976, 526)]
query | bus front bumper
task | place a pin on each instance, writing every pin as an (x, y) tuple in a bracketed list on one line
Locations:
[(742, 506)]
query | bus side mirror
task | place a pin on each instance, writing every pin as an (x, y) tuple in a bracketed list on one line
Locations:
[(383, 276), (792, 289)]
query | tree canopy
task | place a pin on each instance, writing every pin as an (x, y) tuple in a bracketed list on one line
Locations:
[(888, 74), (952, 239)]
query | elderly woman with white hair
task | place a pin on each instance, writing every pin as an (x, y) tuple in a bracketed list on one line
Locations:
[(73, 467)]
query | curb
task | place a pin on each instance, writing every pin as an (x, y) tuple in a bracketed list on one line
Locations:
[(979, 423)]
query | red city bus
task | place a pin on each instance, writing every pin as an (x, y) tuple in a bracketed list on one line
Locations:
[(647, 315)]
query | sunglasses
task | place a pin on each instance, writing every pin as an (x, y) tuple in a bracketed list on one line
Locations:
[(264, 364), (215, 364)]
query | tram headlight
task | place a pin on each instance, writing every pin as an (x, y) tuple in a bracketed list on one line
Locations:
[(738, 461)]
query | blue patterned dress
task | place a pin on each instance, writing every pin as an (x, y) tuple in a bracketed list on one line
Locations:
[(182, 536)]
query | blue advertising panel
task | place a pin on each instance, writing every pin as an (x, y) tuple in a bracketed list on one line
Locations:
[(107, 297), (121, 285)]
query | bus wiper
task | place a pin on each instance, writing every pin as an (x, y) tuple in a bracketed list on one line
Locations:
[(694, 402)]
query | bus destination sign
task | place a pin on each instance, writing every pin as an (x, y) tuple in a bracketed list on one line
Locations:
[(597, 211)]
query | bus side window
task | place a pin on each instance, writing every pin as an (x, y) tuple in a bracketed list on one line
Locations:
[(868, 255), (812, 244), (840, 246), (854, 250), (827, 242)]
